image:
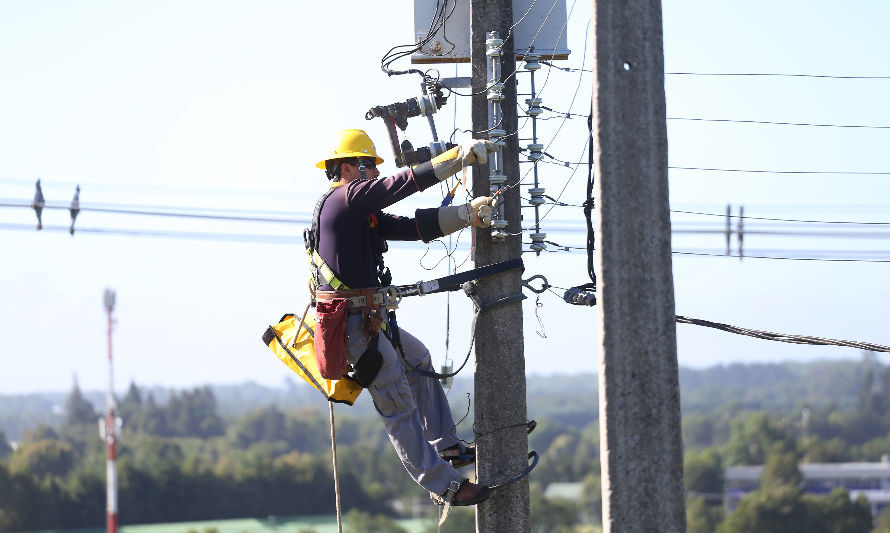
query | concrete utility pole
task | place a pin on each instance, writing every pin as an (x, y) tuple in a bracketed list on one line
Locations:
[(500, 362), (641, 450)]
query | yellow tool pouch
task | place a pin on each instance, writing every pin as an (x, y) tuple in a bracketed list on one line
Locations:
[(295, 346)]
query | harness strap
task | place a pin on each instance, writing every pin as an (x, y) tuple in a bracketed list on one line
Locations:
[(454, 281), (321, 271), (386, 296), (324, 273)]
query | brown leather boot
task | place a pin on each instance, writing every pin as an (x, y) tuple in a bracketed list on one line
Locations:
[(470, 494)]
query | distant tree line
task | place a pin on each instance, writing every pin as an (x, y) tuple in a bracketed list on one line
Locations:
[(176, 462), (182, 459), (824, 433)]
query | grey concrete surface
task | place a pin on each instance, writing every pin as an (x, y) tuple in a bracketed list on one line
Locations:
[(641, 447), (500, 364)]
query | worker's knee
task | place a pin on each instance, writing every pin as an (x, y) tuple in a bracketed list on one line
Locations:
[(392, 399), (417, 354)]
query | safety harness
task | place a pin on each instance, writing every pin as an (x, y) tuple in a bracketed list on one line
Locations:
[(321, 273)]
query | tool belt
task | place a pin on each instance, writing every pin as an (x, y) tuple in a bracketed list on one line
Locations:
[(331, 345), (366, 302)]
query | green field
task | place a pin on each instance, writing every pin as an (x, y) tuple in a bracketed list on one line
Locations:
[(282, 524)]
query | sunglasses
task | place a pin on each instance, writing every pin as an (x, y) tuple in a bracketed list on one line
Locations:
[(369, 163)]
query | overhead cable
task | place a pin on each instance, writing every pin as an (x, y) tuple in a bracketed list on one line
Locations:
[(186, 235), (777, 75), (783, 337), (783, 258), (169, 213), (748, 217), (759, 171), (742, 74), (696, 119)]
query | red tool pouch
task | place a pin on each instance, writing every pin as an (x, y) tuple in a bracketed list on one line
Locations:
[(330, 337)]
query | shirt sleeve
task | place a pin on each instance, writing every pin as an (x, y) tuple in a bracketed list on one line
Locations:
[(365, 197)]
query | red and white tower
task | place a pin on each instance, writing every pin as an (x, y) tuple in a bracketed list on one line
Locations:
[(110, 427)]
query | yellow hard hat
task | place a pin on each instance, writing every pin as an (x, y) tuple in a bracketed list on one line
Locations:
[(351, 143)]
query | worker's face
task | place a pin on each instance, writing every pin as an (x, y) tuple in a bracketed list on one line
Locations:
[(350, 172)]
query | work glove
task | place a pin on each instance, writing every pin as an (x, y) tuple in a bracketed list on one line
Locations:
[(460, 157), (478, 211), (476, 151)]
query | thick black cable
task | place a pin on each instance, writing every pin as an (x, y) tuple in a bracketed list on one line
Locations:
[(391, 56), (783, 337), (432, 374)]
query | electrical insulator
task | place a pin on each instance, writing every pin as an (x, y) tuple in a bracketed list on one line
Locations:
[(498, 225), (496, 92), (537, 196), (534, 106), (493, 45), (538, 243), (531, 62), (496, 181), (497, 137), (535, 152), (427, 105)]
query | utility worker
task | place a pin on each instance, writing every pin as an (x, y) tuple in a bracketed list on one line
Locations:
[(349, 227)]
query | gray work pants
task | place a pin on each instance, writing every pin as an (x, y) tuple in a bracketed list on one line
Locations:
[(414, 408)]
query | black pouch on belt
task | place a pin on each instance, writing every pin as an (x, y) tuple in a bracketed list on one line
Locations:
[(368, 365)]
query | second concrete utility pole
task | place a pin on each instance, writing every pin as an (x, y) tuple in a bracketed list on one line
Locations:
[(641, 450)]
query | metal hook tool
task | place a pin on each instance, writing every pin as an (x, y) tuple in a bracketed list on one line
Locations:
[(527, 283)]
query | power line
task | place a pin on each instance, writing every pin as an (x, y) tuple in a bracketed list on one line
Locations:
[(569, 115), (724, 215), (156, 189), (186, 235), (802, 233), (759, 171), (560, 162), (290, 239), (783, 337), (776, 74), (696, 119), (741, 74), (747, 256), (306, 220)]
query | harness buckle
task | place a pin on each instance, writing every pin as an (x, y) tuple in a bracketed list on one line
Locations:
[(426, 287), (392, 296)]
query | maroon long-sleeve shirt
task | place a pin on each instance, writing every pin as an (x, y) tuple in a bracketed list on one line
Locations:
[(344, 225)]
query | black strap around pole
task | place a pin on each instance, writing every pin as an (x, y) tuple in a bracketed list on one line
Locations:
[(454, 281)]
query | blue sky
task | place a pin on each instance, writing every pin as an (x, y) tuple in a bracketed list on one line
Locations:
[(228, 105)]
